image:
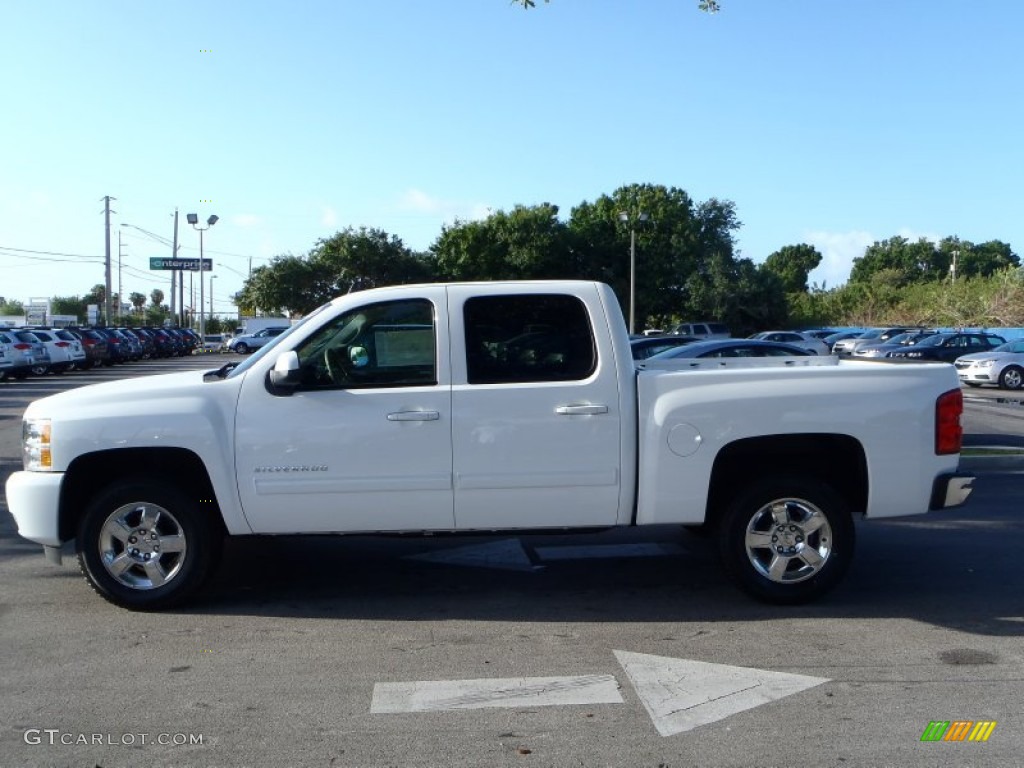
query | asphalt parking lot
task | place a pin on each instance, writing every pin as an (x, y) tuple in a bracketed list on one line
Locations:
[(532, 651)]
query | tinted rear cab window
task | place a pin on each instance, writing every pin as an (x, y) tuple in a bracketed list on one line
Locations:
[(528, 337)]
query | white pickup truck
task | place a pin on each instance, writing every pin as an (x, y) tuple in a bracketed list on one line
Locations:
[(483, 407)]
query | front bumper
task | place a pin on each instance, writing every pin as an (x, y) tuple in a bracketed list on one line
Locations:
[(34, 501), (982, 376), (951, 490)]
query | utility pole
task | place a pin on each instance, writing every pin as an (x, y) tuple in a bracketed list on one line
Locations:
[(120, 293), (106, 288), (181, 277)]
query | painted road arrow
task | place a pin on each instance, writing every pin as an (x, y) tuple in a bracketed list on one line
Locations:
[(678, 694), (440, 695), (681, 695)]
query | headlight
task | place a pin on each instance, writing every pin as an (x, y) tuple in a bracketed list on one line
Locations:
[(35, 445), (984, 363)]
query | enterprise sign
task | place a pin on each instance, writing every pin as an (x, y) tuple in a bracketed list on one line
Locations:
[(190, 264)]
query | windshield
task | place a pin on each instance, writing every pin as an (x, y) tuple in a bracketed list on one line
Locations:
[(935, 340), (272, 344), (1011, 346)]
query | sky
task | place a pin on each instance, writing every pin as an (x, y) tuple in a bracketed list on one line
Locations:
[(837, 123)]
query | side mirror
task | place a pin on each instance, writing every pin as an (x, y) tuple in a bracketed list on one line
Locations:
[(286, 374)]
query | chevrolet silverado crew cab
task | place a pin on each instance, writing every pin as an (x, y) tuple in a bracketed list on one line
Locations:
[(483, 407)]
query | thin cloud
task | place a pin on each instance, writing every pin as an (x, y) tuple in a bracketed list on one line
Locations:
[(838, 250), (246, 220), (418, 201), (329, 218)]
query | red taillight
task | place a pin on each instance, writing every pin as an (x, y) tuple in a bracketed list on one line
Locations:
[(63, 344), (22, 345), (948, 432)]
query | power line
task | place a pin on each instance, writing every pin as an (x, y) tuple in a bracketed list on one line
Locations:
[(50, 253)]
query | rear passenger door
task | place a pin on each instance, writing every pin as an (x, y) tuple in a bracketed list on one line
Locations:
[(535, 412)]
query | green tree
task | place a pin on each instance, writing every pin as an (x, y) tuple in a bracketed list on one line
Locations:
[(905, 261), (67, 305), (351, 260), (527, 243), (138, 301), (982, 260), (11, 307), (791, 264), (675, 248), (156, 297)]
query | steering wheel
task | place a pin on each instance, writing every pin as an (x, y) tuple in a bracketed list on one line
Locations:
[(338, 365)]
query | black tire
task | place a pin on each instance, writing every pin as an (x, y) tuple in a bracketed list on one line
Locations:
[(1012, 377), (144, 544), (241, 347), (787, 540), (40, 370)]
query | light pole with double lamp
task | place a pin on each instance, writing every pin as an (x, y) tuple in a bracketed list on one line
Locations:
[(632, 220), (193, 219)]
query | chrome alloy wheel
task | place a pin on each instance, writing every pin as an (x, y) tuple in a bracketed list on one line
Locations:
[(142, 545), (788, 540)]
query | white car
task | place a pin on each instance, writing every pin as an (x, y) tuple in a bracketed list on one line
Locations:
[(802, 340), (214, 342), (245, 344), (1002, 366), (65, 350)]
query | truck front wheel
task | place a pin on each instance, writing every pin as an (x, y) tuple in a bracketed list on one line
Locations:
[(146, 545), (787, 540)]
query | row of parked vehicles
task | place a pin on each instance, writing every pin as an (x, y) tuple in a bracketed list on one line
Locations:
[(36, 350), (979, 357)]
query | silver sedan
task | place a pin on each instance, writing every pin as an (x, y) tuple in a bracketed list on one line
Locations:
[(1002, 366)]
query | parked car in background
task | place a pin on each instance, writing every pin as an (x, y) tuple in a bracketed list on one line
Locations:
[(832, 338), (65, 350), (651, 345), (730, 348), (870, 336), (213, 342), (908, 339), (6, 359), (1002, 366), (95, 345), (40, 354), (18, 352), (145, 339), (117, 345), (702, 330), (191, 339), (810, 343), (245, 344), (947, 347), (819, 333)]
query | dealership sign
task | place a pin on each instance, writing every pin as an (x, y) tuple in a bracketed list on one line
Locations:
[(189, 264)]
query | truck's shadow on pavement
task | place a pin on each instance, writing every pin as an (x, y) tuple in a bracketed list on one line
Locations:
[(958, 569)]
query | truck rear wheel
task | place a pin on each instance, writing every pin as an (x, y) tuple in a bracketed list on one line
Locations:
[(787, 540), (144, 545)]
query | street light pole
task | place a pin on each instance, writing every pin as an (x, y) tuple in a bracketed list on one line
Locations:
[(640, 217), (193, 219)]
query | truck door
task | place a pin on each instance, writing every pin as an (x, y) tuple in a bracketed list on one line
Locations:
[(364, 443), (536, 423)]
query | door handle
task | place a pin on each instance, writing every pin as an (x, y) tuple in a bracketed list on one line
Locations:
[(414, 416), (581, 410)]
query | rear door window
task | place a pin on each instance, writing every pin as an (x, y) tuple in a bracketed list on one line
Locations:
[(527, 338)]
